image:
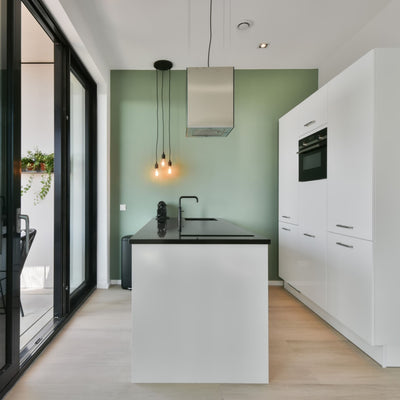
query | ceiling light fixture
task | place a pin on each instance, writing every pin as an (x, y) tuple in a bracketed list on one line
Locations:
[(263, 45), (244, 25), (161, 67)]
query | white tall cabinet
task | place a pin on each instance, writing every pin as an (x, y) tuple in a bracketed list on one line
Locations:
[(302, 206), (356, 259), (351, 99)]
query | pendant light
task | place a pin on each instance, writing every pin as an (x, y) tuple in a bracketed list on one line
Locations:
[(161, 67)]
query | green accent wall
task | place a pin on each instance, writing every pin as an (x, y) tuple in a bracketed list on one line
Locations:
[(235, 177)]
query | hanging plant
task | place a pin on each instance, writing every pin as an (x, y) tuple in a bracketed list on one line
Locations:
[(45, 181), (38, 161), (25, 188)]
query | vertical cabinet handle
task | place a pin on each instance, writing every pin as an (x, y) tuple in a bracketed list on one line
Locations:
[(345, 245)]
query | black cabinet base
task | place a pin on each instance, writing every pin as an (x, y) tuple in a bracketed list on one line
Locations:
[(126, 263)]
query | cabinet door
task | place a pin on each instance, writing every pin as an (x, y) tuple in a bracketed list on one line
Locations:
[(350, 154), (312, 112), (312, 205), (312, 266), (288, 253), (288, 169), (350, 285)]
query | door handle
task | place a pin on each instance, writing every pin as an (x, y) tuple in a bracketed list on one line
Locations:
[(26, 219), (307, 149)]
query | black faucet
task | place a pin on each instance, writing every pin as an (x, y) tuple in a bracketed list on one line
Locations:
[(180, 210)]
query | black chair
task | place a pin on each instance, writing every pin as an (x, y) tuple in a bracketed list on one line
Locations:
[(24, 253)]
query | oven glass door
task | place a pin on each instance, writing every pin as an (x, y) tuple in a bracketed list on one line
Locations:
[(312, 165)]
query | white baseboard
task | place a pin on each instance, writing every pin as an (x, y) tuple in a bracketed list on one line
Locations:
[(101, 284), (270, 283), (275, 283), (118, 282), (375, 352)]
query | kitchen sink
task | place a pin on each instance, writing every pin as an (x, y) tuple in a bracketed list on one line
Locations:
[(200, 219)]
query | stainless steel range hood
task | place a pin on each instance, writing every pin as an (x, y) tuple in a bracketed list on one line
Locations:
[(209, 101)]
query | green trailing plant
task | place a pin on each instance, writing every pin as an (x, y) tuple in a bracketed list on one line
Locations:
[(26, 188), (38, 161), (45, 181)]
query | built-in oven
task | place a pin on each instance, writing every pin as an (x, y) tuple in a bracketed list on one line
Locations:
[(312, 156)]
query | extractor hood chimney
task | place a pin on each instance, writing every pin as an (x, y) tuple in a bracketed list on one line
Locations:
[(209, 101)]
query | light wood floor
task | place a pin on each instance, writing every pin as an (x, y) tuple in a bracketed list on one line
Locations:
[(90, 359)]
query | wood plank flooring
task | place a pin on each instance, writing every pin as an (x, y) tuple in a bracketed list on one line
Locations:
[(90, 359)]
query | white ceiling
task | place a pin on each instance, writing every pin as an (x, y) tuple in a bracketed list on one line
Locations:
[(132, 34), (36, 46)]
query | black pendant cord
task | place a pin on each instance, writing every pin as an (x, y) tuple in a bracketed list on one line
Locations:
[(209, 43), (162, 111), (161, 66), (157, 114), (169, 115)]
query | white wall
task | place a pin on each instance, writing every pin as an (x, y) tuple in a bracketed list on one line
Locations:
[(98, 68), (381, 31), (37, 130)]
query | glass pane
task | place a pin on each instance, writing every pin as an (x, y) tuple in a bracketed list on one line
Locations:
[(77, 183), (3, 260), (37, 178), (312, 160)]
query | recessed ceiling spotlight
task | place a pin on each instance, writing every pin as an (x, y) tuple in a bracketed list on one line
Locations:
[(263, 45), (244, 25)]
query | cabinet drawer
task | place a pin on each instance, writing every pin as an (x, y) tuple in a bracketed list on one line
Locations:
[(350, 283)]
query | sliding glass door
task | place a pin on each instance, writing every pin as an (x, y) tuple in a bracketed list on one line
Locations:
[(77, 183), (10, 243), (82, 185), (68, 263), (3, 186), (37, 178)]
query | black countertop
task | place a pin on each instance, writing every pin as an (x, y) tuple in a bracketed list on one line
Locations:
[(213, 231)]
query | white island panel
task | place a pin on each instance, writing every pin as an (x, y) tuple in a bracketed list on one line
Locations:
[(200, 313)]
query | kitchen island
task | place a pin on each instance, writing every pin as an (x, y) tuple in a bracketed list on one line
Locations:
[(199, 303)]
